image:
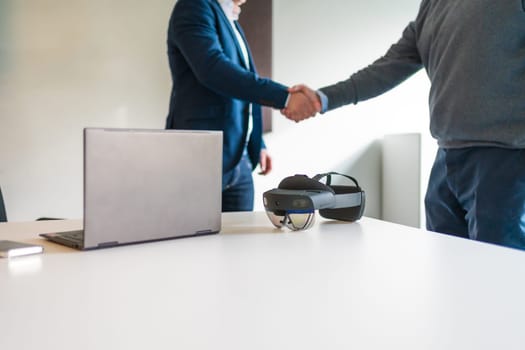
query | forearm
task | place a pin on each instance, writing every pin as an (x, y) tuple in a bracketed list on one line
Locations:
[(400, 62), (233, 81)]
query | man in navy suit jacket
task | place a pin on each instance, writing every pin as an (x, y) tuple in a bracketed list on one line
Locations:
[(216, 87)]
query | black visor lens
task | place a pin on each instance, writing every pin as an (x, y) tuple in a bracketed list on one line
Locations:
[(277, 220)]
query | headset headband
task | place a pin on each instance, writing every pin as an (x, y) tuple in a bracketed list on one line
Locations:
[(329, 177), (342, 200)]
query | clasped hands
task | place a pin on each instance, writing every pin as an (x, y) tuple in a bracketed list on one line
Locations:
[(302, 104)]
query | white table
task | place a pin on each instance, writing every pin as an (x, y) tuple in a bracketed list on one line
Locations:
[(366, 285)]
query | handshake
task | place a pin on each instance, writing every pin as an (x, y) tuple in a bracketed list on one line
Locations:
[(302, 104)]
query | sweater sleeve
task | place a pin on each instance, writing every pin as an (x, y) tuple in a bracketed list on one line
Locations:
[(400, 62)]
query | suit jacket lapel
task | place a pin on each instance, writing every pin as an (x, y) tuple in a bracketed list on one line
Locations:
[(226, 22), (250, 58)]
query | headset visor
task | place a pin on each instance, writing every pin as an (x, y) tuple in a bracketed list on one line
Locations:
[(293, 220)]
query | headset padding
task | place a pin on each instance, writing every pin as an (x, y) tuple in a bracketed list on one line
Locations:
[(303, 182)]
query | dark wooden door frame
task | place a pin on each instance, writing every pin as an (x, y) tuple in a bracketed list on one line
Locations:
[(256, 20)]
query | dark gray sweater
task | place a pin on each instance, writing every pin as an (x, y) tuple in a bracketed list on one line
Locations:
[(474, 54)]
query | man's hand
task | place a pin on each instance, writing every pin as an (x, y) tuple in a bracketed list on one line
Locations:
[(265, 162), (304, 103)]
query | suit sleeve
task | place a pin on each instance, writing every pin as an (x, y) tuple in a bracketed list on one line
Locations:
[(400, 62), (193, 31)]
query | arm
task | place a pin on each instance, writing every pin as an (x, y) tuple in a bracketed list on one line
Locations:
[(400, 62), (193, 30)]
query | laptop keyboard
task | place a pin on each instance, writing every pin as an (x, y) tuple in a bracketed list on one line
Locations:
[(75, 236)]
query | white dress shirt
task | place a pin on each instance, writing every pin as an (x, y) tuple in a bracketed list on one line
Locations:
[(227, 8)]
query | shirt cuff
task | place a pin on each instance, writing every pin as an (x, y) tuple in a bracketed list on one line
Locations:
[(324, 100), (287, 100)]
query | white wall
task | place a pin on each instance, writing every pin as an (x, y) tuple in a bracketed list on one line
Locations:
[(65, 65), (401, 165)]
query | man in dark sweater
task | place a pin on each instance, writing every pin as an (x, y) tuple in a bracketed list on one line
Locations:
[(474, 55)]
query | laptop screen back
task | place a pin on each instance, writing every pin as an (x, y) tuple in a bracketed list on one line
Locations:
[(142, 185)]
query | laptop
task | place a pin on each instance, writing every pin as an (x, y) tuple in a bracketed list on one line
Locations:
[(147, 185)]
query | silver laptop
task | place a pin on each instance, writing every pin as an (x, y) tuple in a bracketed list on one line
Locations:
[(148, 185)]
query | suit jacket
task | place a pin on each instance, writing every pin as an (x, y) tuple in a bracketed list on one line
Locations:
[(212, 88)]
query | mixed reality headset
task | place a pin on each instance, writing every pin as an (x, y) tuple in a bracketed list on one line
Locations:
[(294, 202)]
